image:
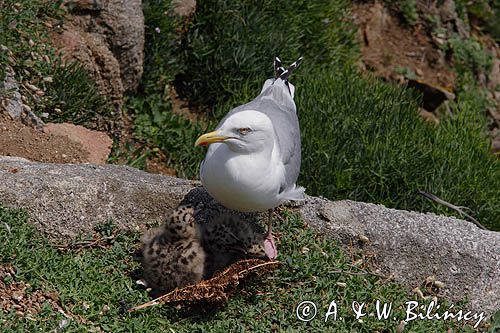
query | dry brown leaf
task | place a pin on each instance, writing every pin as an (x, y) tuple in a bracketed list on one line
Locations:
[(217, 289)]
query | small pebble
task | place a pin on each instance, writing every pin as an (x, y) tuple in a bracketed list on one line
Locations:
[(439, 284), (26, 108), (363, 239)]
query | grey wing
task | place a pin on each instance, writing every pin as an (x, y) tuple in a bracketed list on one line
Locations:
[(286, 126)]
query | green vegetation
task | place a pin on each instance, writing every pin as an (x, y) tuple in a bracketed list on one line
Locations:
[(92, 282), (469, 55), (406, 72), (409, 10), (485, 13), (65, 92), (362, 138), (374, 147)]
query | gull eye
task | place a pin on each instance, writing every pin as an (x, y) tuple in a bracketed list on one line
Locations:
[(244, 130)]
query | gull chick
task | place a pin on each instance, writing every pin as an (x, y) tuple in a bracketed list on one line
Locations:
[(172, 254), (253, 161), (227, 239)]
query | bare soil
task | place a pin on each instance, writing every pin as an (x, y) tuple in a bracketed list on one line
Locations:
[(17, 139), (388, 45), (17, 296)]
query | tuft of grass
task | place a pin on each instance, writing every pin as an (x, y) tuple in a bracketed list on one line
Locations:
[(65, 91), (409, 11), (230, 44), (91, 283), (231, 38), (406, 72), (156, 126)]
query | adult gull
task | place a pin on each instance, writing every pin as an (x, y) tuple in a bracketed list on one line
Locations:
[(253, 161)]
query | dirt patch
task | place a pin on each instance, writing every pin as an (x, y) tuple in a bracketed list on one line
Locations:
[(158, 165), (18, 296), (97, 144), (389, 48), (181, 107), (17, 139)]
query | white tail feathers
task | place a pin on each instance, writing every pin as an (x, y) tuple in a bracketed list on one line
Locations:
[(296, 193)]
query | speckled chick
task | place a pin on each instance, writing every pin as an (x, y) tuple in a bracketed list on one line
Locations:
[(227, 239), (172, 254)]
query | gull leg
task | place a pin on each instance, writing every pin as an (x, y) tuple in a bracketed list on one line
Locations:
[(269, 245), (269, 222)]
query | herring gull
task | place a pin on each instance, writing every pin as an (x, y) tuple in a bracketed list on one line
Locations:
[(253, 161)]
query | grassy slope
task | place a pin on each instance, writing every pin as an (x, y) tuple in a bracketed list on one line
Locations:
[(66, 87), (89, 280), (362, 138)]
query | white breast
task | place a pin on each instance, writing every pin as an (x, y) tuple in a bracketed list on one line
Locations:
[(243, 182)]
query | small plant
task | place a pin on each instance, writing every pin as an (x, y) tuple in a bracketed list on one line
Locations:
[(406, 72), (469, 55), (409, 10)]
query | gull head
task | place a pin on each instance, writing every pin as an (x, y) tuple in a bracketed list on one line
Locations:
[(245, 132)]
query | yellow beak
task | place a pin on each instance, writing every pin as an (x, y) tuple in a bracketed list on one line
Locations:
[(209, 138)]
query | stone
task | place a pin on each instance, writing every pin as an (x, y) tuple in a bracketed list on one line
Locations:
[(411, 246), (184, 8), (107, 37), (429, 117), (377, 24), (448, 11), (64, 200), (433, 95), (11, 102)]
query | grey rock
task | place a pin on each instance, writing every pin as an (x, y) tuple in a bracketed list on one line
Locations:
[(10, 98), (65, 200), (448, 14), (412, 246), (448, 11), (126, 20), (11, 102)]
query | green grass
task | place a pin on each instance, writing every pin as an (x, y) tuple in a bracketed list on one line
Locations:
[(70, 94), (235, 41), (192, 57), (374, 147), (409, 10), (91, 279)]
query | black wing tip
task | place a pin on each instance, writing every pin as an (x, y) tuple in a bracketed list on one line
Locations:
[(278, 67), (282, 72), (287, 72)]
